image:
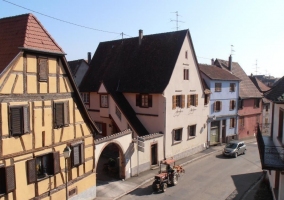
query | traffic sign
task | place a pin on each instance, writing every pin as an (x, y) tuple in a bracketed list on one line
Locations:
[(140, 144)]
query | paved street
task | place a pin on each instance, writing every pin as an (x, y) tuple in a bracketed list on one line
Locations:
[(211, 178)]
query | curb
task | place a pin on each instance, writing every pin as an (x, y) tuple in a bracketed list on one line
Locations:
[(148, 180), (183, 164)]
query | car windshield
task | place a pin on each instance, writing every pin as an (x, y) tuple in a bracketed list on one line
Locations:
[(232, 145)]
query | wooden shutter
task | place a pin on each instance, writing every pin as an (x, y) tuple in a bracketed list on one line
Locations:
[(56, 162), (188, 100), (174, 102), (182, 101), (75, 155), (10, 178), (150, 100), (16, 122), (42, 73), (215, 106), (138, 100), (26, 119), (234, 104), (220, 105), (196, 100), (82, 146), (59, 112), (31, 171), (66, 113)]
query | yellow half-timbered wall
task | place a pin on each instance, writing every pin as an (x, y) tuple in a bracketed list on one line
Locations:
[(19, 86)]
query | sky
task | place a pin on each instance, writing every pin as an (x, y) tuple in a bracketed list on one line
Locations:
[(255, 28)]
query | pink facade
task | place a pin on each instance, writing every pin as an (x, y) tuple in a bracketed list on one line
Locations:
[(251, 115)]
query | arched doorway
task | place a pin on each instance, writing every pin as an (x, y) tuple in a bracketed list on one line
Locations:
[(111, 165)]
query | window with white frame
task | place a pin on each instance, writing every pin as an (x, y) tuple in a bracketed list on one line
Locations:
[(218, 87), (178, 101), (232, 87), (104, 100), (86, 97), (77, 154)]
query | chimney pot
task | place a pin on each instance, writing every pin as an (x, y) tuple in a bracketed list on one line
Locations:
[(140, 36), (230, 62), (89, 57)]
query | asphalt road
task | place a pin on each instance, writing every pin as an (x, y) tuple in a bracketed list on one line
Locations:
[(212, 178)]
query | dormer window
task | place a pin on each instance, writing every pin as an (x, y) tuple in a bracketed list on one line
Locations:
[(104, 100)]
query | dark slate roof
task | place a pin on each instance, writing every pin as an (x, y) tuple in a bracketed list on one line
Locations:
[(75, 64), (125, 66), (247, 88), (23, 31), (216, 73), (259, 84), (276, 94)]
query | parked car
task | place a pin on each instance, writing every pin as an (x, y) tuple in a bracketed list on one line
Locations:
[(234, 148)]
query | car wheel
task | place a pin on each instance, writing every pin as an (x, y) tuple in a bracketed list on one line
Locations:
[(236, 155), (175, 179), (164, 187)]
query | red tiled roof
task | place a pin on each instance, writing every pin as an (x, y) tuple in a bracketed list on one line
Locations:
[(215, 73), (259, 84), (23, 31)]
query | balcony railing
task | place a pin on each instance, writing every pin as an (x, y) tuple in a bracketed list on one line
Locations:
[(271, 156)]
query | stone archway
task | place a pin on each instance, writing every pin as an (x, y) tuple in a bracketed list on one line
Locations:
[(111, 153)]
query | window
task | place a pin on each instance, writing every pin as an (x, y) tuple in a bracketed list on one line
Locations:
[(192, 100), (218, 87), (19, 120), (117, 112), (240, 104), (186, 54), (178, 101), (7, 179), (144, 100), (232, 87), (206, 99), (61, 114), (256, 103), (178, 135), (43, 166), (280, 124), (232, 122), (232, 104), (191, 131), (102, 128), (185, 74), (266, 107), (42, 69), (217, 106), (104, 101), (242, 121), (77, 154), (86, 97)]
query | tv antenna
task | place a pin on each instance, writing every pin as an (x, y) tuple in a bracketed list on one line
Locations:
[(176, 20), (232, 50), (256, 67)]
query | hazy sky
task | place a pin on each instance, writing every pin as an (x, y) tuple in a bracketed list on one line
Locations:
[(254, 27)]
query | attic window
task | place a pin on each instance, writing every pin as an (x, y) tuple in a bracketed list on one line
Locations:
[(186, 55), (42, 69)]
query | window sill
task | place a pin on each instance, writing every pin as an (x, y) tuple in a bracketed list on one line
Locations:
[(191, 137), (44, 177), (176, 142)]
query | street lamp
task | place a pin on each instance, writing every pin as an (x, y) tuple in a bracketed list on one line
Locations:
[(66, 154)]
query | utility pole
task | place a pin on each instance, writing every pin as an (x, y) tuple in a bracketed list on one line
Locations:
[(121, 35)]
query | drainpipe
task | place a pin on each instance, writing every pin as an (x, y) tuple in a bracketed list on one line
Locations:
[(165, 129), (272, 120)]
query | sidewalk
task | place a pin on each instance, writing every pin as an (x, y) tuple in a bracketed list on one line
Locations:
[(118, 188)]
